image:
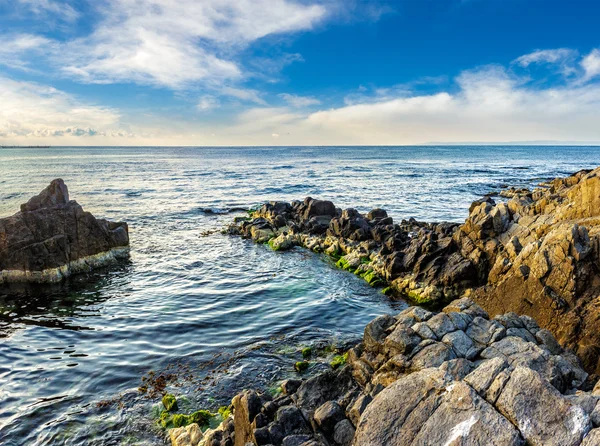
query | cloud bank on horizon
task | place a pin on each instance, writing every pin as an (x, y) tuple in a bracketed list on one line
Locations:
[(291, 72)]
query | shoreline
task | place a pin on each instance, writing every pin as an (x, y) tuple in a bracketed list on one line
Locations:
[(537, 253)]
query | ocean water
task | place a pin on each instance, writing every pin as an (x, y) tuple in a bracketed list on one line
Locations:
[(216, 314)]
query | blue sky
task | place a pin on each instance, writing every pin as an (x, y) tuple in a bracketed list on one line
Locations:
[(286, 72)]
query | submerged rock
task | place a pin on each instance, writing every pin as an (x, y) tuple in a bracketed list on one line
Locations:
[(537, 253), (502, 390), (52, 237)]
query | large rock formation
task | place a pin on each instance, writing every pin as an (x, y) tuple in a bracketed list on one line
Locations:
[(53, 237), (536, 252), (424, 378)]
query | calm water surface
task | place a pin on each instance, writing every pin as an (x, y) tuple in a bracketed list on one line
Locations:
[(220, 314)]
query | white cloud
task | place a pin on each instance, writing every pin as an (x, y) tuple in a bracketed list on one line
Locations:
[(591, 64), (562, 58), (182, 44), (13, 47), (60, 9), (299, 101), (208, 103), (33, 110), (545, 56), (244, 94)]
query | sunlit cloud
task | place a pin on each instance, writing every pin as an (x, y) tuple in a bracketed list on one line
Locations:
[(33, 110)]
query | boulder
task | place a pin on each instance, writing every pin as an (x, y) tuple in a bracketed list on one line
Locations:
[(52, 237)]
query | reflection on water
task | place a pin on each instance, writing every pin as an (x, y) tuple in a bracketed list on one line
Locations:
[(217, 314)]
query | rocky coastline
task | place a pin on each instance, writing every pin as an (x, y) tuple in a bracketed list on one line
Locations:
[(510, 357), (535, 253), (52, 237), (454, 377)]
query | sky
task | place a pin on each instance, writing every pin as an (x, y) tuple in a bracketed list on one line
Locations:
[(299, 72)]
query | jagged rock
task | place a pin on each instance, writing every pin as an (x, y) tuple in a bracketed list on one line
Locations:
[(543, 415), (52, 237), (512, 391)]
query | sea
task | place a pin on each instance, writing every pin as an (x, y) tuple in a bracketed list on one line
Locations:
[(209, 313)]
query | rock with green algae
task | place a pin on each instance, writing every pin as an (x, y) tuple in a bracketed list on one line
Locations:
[(201, 417), (338, 361), (170, 402), (306, 352), (301, 366), (283, 242), (224, 411)]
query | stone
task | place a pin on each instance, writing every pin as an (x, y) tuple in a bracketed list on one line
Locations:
[(401, 341), (423, 330), (328, 415), (375, 332), (295, 440), (52, 238), (543, 415), (355, 411), (343, 433), (433, 355), (463, 417), (484, 331), (441, 324), (592, 439), (190, 435), (462, 345), (484, 375), (291, 420)]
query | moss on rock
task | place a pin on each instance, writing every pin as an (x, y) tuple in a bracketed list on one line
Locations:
[(306, 352), (301, 366), (170, 402), (338, 361)]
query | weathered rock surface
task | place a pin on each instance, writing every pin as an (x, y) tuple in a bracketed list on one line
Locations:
[(537, 253), (506, 389), (53, 237)]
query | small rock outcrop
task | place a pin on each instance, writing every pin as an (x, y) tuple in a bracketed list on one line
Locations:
[(535, 253), (427, 378), (52, 237)]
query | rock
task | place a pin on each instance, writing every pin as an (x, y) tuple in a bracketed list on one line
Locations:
[(343, 433), (592, 439), (542, 414), (358, 407), (441, 324), (461, 344), (375, 331), (535, 255), (53, 237), (291, 420), (513, 392), (463, 417), (190, 435), (328, 415), (483, 376)]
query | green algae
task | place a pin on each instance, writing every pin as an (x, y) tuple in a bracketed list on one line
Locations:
[(301, 366), (201, 417), (170, 402), (388, 291), (306, 352), (342, 263), (224, 411), (338, 361), (275, 390), (372, 278)]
